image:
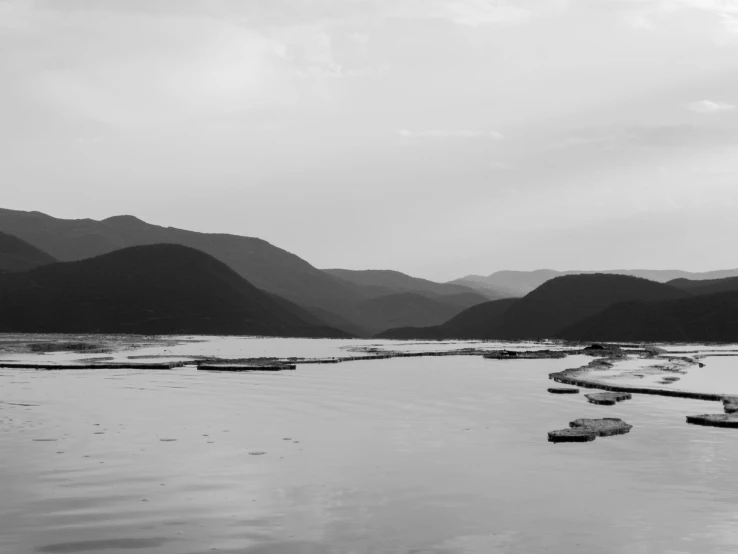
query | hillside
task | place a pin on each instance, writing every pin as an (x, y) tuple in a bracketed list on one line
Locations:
[(693, 319), (553, 306), (483, 321), (383, 282), (708, 286), (330, 298), (563, 301), (520, 283), (18, 255), (162, 289), (262, 264)]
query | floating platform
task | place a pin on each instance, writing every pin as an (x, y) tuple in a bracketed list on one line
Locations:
[(571, 435), (563, 390), (605, 427), (587, 430), (730, 404), (607, 398), (526, 354), (715, 420), (246, 367), (99, 365)]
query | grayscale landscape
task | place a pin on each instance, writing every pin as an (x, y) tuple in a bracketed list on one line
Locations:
[(368, 276)]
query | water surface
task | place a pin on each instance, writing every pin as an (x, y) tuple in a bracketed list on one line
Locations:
[(411, 455)]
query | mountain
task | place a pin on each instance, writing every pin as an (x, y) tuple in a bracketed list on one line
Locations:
[(18, 255), (707, 286), (330, 298), (519, 283), (161, 289), (383, 282), (396, 299), (563, 301), (262, 264), (704, 318), (405, 309), (480, 322), (544, 312), (481, 284)]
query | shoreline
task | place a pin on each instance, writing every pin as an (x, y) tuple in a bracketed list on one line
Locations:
[(585, 377)]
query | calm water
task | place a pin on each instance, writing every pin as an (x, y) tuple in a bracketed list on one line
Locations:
[(419, 455)]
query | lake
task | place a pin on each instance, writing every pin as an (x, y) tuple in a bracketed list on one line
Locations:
[(442, 455)]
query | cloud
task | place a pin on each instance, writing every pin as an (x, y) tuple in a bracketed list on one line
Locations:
[(643, 14), (648, 136), (441, 134), (710, 107), (474, 13), (183, 64)]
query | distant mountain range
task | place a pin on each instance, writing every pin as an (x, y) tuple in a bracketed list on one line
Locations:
[(160, 288), (520, 283), (480, 322), (124, 275), (603, 307), (338, 300)]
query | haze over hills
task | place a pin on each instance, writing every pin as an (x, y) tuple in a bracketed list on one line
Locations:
[(553, 306), (160, 288), (18, 255), (520, 283), (385, 281), (408, 309), (480, 322)]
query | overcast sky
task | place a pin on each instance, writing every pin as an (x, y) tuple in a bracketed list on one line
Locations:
[(436, 137)]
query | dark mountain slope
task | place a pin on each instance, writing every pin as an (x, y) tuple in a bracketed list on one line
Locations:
[(712, 318), (161, 288), (262, 264), (563, 301), (707, 286), (483, 321), (18, 255)]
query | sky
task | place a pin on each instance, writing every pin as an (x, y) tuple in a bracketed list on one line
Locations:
[(436, 137)]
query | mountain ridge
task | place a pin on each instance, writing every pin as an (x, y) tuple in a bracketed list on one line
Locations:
[(18, 255), (160, 289)]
